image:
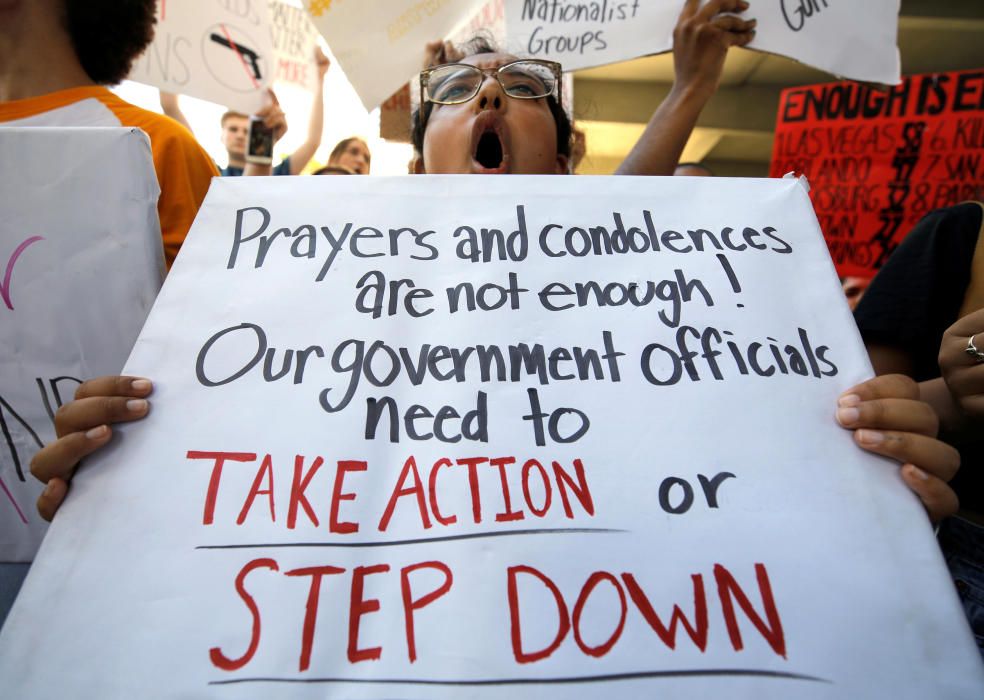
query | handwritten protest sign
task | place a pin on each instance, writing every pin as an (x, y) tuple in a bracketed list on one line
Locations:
[(855, 40), (445, 436), (77, 284), (219, 51), (294, 41), (380, 44), (586, 34), (850, 39), (879, 161)]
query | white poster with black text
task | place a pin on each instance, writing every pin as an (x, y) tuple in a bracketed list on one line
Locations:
[(855, 40), (220, 51), (494, 437)]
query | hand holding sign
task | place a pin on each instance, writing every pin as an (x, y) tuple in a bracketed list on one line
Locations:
[(889, 419), (701, 40), (702, 37), (82, 427)]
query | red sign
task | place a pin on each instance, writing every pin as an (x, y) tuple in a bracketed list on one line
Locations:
[(878, 161), (394, 116)]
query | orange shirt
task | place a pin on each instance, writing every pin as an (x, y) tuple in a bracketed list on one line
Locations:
[(184, 170)]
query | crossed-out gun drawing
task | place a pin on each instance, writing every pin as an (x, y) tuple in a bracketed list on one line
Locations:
[(244, 51)]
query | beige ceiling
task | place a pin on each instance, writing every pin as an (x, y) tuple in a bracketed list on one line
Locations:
[(734, 134)]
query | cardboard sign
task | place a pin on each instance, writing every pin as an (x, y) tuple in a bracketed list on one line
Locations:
[(553, 437), (878, 161), (294, 41), (78, 281), (380, 44), (849, 39), (218, 51)]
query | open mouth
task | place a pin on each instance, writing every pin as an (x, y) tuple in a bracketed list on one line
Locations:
[(490, 144), (488, 151)]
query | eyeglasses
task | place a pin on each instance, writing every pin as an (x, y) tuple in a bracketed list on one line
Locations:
[(455, 83)]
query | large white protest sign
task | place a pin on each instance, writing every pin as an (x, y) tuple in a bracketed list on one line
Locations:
[(295, 39), (221, 51), (854, 40), (78, 281), (446, 437), (380, 43)]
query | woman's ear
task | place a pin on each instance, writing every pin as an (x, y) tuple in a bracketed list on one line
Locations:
[(563, 165)]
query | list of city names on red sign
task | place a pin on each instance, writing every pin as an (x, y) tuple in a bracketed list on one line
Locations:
[(878, 161)]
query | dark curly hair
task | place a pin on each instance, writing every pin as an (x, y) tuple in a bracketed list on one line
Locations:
[(473, 47), (109, 34)]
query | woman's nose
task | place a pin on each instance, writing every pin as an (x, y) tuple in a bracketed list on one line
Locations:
[(490, 95)]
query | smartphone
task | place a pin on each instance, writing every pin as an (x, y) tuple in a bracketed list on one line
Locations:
[(259, 142)]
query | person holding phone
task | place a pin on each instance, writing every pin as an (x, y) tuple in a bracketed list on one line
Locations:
[(237, 137), (249, 142), (271, 121), (252, 152)]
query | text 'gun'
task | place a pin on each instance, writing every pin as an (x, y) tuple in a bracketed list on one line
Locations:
[(245, 52)]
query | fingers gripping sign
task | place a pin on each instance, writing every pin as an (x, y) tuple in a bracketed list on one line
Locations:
[(82, 427), (888, 419), (702, 37)]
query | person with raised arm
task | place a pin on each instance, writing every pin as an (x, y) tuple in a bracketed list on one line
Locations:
[(235, 126), (701, 39)]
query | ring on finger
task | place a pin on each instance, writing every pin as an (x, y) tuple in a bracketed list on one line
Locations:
[(972, 350)]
